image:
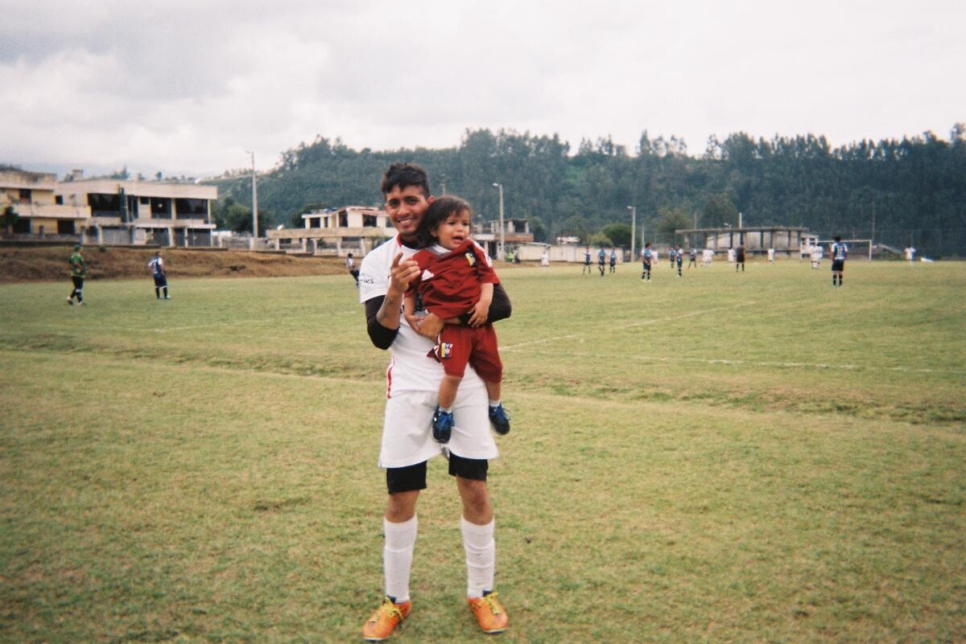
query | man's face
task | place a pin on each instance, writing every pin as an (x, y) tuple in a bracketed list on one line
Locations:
[(406, 207)]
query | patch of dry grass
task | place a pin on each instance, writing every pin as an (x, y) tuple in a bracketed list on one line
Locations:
[(49, 263)]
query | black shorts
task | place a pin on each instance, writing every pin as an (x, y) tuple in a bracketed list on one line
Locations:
[(838, 265), (413, 477)]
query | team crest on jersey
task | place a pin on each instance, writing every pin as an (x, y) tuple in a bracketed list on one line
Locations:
[(470, 258), (444, 350)]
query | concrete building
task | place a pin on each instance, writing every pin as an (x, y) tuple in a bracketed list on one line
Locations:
[(787, 240), (359, 229), (337, 231), (32, 210), (128, 212)]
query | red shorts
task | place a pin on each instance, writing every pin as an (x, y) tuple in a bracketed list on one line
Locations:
[(476, 346)]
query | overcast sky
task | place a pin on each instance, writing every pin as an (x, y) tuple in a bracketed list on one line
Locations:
[(186, 87)]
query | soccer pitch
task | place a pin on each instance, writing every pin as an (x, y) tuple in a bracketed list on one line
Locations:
[(718, 457)]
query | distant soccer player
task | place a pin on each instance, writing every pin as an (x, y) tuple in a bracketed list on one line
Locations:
[(78, 272), (160, 276), (740, 258), (601, 260), (839, 252), (613, 260), (586, 268), (692, 257), (679, 258), (350, 265), (646, 257)]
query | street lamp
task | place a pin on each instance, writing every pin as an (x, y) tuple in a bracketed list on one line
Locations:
[(254, 203), (499, 250), (633, 210)]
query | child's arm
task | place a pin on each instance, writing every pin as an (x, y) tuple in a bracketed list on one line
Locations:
[(481, 309)]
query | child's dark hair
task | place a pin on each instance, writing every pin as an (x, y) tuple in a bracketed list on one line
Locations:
[(436, 214), (403, 175)]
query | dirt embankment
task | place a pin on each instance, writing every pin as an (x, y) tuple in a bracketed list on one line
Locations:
[(49, 263)]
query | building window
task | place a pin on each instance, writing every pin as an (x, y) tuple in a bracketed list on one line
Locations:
[(191, 208), (160, 208), (104, 205), (25, 194), (343, 220), (369, 221)]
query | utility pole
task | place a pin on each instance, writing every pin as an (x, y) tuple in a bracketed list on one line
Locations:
[(254, 203)]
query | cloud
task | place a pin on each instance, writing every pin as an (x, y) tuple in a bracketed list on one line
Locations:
[(187, 86)]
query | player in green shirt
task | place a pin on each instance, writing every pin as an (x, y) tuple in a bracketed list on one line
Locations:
[(78, 271)]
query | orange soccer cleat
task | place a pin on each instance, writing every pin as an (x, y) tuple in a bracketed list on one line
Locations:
[(489, 613), (384, 621)]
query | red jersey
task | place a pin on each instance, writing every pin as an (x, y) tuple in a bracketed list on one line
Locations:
[(450, 282)]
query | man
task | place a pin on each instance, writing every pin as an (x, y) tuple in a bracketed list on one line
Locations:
[(613, 260), (78, 272), (350, 265), (740, 258), (692, 257), (646, 258), (586, 268), (601, 260), (407, 441), (160, 276), (839, 252)]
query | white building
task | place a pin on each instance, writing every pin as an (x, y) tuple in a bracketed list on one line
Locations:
[(33, 209), (122, 211)]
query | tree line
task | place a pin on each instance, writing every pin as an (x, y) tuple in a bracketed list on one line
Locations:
[(898, 192)]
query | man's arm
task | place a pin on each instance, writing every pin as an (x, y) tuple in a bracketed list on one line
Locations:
[(383, 313), (381, 336)]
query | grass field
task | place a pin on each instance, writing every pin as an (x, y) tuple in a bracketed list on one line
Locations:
[(725, 457)]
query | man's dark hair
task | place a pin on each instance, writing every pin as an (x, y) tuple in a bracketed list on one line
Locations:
[(438, 212), (403, 175), (838, 238)]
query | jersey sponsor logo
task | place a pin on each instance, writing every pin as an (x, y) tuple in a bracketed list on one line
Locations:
[(427, 275), (470, 258)]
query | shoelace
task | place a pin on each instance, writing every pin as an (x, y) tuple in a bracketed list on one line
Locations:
[(494, 607), (388, 609)]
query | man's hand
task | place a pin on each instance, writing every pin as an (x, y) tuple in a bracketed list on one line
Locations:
[(402, 272)]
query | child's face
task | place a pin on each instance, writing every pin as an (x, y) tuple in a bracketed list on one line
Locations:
[(454, 230)]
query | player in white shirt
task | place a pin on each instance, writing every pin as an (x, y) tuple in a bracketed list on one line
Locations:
[(413, 381)]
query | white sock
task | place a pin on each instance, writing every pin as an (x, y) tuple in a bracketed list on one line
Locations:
[(397, 557), (480, 550)]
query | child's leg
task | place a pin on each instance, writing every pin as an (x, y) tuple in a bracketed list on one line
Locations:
[(493, 390), (447, 391)]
